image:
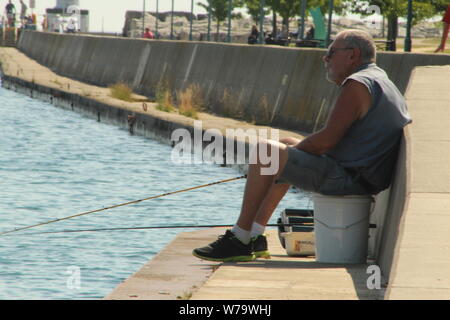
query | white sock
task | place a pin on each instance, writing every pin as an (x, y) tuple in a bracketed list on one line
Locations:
[(257, 230), (241, 234)]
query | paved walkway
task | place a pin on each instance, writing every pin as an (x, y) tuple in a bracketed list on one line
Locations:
[(421, 267), (176, 274), (287, 278)]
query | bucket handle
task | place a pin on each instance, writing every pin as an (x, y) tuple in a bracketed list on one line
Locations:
[(336, 227)]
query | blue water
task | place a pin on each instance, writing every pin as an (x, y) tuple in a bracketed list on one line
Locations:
[(55, 163)]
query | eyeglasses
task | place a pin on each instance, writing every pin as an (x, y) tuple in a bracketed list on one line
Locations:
[(331, 51)]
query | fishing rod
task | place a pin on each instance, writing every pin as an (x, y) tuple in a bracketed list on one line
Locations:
[(301, 224), (161, 227), (120, 205)]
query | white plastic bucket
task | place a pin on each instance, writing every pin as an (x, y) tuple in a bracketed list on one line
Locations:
[(341, 228)]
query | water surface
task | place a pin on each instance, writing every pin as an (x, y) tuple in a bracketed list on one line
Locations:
[(55, 163)]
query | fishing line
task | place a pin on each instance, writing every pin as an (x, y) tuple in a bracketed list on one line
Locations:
[(304, 224), (159, 227), (121, 205)]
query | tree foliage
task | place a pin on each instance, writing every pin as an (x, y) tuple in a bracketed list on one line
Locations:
[(422, 9), (219, 9), (393, 9), (253, 9), (290, 8), (287, 9)]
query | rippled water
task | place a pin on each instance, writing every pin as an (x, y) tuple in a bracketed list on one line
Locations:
[(55, 163)]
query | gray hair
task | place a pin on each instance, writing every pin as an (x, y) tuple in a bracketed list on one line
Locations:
[(362, 40)]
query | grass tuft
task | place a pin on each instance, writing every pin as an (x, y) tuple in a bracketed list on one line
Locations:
[(190, 101), (121, 91), (187, 102), (164, 100)]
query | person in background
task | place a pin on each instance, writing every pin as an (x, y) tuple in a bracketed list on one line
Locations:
[(45, 23), (148, 34), (446, 27), (310, 33), (29, 23), (72, 26), (10, 10), (23, 13), (254, 34)]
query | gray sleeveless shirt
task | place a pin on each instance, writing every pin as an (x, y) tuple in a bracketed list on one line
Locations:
[(375, 137)]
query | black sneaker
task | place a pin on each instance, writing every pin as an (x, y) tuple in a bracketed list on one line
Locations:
[(260, 247), (227, 248)]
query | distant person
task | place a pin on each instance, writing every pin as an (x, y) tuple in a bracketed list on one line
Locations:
[(10, 10), (29, 23), (282, 37), (446, 27), (58, 24), (72, 26), (23, 12), (310, 33), (254, 35), (278, 35), (45, 23), (148, 34)]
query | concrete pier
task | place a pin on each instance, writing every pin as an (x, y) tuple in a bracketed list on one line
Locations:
[(411, 241), (279, 278)]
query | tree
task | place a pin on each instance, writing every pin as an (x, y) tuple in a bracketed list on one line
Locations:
[(253, 9), (219, 10), (290, 8), (393, 9)]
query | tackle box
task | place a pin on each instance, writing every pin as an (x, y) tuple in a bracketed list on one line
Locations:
[(298, 237)]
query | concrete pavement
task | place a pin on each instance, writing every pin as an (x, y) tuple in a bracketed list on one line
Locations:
[(422, 255), (287, 278), (176, 274), (172, 274)]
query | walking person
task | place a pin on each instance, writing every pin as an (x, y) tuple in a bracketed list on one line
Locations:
[(446, 21), (10, 10), (23, 13), (148, 34)]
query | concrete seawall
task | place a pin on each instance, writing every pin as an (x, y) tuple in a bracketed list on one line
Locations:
[(269, 85), (146, 125)]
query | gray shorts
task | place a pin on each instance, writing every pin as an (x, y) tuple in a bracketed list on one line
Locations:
[(320, 174)]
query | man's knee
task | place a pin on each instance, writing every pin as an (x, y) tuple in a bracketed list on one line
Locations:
[(270, 155)]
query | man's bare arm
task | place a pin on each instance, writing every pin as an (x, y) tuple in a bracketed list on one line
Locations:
[(353, 103)]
